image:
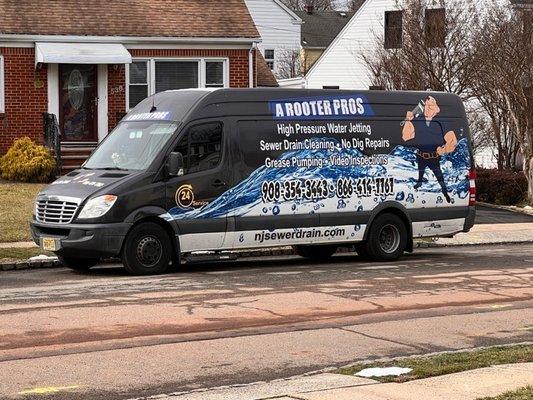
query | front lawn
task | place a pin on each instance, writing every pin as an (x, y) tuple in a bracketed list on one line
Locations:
[(21, 254), (520, 394), (425, 367), (16, 209)]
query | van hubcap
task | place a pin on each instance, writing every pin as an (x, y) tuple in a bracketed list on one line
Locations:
[(389, 239), (149, 251)]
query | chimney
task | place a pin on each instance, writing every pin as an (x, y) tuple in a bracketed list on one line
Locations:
[(309, 8)]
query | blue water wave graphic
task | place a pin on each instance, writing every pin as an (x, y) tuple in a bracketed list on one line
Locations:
[(402, 165)]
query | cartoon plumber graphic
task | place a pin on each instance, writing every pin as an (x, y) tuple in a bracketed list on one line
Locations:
[(431, 137)]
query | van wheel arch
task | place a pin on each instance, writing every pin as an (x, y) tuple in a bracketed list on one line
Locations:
[(167, 227), (397, 209)]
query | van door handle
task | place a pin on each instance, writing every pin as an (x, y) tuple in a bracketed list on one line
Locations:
[(219, 183)]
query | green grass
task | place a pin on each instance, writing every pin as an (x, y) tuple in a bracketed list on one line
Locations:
[(21, 254), (425, 367), (16, 209), (520, 394)]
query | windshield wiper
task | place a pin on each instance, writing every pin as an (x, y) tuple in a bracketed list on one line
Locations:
[(112, 169)]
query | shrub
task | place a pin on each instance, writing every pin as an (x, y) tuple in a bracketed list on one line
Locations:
[(503, 187), (27, 161)]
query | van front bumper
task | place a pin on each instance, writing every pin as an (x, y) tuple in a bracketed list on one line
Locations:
[(81, 240)]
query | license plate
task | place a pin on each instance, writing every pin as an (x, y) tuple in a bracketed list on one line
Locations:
[(49, 244)]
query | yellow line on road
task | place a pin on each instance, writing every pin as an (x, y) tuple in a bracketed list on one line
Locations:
[(49, 389)]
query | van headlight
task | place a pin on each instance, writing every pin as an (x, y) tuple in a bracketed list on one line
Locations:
[(97, 207)]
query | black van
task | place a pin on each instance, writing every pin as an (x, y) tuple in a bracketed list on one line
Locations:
[(200, 170)]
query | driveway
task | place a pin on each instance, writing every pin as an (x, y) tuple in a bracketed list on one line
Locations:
[(490, 215)]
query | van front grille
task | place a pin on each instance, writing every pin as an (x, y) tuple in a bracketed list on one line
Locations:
[(56, 210)]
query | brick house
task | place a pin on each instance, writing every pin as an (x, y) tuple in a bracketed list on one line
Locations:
[(90, 62)]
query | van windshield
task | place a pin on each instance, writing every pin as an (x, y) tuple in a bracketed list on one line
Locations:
[(132, 145)]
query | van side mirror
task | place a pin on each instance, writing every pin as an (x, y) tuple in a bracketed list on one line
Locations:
[(175, 164)]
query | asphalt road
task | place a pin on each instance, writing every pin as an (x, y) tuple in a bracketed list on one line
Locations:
[(105, 335), (491, 215)]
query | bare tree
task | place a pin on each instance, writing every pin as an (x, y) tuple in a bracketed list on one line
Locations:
[(317, 5), (354, 5), (433, 54), (289, 64), (503, 76)]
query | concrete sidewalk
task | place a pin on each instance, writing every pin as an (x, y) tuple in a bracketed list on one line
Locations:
[(491, 234), (468, 385)]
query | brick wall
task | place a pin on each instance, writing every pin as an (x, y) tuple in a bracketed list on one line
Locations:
[(26, 97), (26, 89), (238, 73)]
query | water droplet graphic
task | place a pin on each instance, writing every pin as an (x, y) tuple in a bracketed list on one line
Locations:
[(241, 238), (439, 200), (265, 210), (293, 208), (400, 196), (341, 204), (275, 210), (357, 228), (410, 198), (360, 208)]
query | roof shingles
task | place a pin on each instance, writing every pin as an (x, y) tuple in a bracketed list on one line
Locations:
[(132, 18), (321, 27)]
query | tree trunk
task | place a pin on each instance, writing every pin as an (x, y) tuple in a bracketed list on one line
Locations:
[(528, 170)]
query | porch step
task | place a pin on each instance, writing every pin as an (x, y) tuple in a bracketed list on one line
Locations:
[(73, 157)]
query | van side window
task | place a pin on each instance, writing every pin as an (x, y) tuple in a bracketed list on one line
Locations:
[(201, 147)]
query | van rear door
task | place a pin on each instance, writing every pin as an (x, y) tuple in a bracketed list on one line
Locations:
[(205, 178)]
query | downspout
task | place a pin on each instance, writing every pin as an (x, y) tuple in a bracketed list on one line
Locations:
[(251, 73)]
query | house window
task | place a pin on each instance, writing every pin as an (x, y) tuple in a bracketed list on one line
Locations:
[(171, 75), (269, 58), (393, 29), (214, 74), (138, 82), (435, 27), (2, 86), (149, 76)]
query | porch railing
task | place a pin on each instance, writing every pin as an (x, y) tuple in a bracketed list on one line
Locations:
[(52, 137)]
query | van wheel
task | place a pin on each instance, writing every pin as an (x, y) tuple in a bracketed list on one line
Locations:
[(387, 239), (78, 264), (147, 250), (317, 252)]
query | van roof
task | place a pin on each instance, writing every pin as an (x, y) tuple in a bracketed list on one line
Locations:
[(185, 104)]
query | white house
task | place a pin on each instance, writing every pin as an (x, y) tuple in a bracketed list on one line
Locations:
[(280, 30), (340, 66)]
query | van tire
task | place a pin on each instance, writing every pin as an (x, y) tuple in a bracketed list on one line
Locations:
[(77, 264), (316, 252), (387, 238), (147, 250)]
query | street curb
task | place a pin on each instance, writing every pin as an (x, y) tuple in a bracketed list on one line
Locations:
[(22, 265), (328, 370), (268, 252)]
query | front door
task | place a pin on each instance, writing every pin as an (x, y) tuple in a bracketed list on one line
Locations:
[(78, 103), (191, 198)]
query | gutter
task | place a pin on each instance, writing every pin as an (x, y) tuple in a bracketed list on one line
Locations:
[(124, 39)]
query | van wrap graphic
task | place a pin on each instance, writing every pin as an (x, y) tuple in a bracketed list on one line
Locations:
[(246, 198), (341, 166), (318, 108)]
